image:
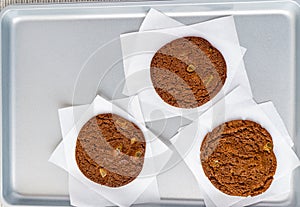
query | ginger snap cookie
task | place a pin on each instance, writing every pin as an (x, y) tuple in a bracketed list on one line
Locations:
[(110, 150), (188, 72), (238, 158)]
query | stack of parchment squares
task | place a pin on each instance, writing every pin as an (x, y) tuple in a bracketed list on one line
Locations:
[(239, 152)]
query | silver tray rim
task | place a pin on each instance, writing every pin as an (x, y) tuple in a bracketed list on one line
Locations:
[(4, 200)]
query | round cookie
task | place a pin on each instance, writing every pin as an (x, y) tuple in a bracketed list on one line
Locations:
[(110, 150), (238, 158), (188, 72)]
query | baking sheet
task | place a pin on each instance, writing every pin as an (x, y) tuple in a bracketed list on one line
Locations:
[(37, 81)]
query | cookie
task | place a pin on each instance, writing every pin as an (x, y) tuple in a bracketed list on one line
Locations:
[(188, 72), (238, 158), (110, 150)]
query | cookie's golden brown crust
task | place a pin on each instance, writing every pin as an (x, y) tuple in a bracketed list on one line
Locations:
[(238, 158), (110, 150), (188, 72)]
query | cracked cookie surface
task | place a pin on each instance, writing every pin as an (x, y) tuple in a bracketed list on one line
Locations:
[(238, 158), (110, 150), (188, 72)]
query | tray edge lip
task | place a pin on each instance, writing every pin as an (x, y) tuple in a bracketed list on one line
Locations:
[(98, 5), (14, 8)]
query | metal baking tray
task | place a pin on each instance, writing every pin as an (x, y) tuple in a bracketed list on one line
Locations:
[(57, 55)]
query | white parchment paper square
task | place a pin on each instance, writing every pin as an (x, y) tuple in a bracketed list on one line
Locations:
[(138, 49), (142, 189), (270, 111), (236, 105), (157, 20), (91, 198)]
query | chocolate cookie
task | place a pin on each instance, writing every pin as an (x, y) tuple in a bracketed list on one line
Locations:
[(188, 72), (110, 150), (238, 158)]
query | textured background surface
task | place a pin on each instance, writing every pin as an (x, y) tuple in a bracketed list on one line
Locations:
[(4, 3)]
